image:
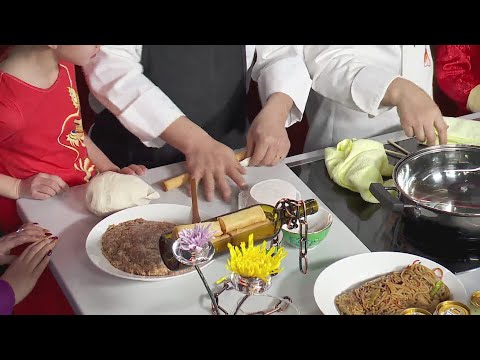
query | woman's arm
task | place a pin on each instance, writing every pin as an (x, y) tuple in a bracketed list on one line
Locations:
[(9, 187), (98, 158), (103, 163)]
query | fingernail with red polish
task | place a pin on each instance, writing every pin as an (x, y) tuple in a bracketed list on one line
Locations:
[(35, 223), (54, 237), (49, 253), (48, 234)]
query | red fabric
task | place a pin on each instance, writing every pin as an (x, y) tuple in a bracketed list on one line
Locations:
[(457, 70), (46, 298), (40, 132)]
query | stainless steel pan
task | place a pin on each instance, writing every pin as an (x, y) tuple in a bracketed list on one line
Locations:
[(440, 184)]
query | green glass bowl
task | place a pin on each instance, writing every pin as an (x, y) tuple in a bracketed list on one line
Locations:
[(319, 225)]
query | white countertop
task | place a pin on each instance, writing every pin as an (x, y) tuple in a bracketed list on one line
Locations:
[(92, 291)]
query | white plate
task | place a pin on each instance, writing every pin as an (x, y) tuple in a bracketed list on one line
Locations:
[(354, 270), (177, 214)]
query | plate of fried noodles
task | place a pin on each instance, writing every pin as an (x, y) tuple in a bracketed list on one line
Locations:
[(385, 283)]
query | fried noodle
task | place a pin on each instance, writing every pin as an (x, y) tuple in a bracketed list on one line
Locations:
[(415, 287)]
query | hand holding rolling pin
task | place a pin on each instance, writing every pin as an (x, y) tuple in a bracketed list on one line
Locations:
[(211, 164)]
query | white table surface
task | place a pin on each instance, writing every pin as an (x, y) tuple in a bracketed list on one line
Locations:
[(92, 291)]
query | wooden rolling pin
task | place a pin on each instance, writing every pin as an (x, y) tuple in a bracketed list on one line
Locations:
[(183, 179)]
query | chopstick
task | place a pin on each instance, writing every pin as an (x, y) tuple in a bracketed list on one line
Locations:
[(402, 149), (394, 153), (195, 212)]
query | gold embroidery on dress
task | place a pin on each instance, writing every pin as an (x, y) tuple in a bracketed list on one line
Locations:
[(61, 132), (77, 136), (85, 166), (74, 96)]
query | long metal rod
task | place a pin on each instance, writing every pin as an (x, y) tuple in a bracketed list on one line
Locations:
[(208, 289), (241, 303)]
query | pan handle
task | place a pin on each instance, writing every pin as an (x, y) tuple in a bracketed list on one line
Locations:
[(385, 198)]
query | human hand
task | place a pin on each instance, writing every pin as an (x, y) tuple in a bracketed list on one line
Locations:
[(133, 170), (28, 232), (23, 273), (211, 162), (41, 186), (267, 138), (419, 115)]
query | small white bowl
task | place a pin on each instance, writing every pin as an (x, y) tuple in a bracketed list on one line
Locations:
[(271, 191)]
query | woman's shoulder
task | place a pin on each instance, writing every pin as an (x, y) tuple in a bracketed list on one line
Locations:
[(7, 104), (10, 115)]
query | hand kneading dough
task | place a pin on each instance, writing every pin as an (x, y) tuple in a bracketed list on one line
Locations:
[(109, 192)]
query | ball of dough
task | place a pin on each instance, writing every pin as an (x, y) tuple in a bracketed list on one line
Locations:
[(109, 192)]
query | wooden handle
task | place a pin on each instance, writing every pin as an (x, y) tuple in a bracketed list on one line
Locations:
[(183, 179), (195, 212)]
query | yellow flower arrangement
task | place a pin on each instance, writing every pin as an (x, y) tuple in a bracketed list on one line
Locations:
[(255, 261)]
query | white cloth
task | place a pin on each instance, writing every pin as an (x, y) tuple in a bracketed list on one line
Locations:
[(116, 80), (109, 192), (350, 81)]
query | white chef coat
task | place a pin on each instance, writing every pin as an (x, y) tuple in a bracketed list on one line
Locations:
[(281, 68), (116, 80), (350, 81)]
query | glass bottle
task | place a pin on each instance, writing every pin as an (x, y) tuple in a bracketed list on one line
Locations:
[(276, 216), (283, 213)]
